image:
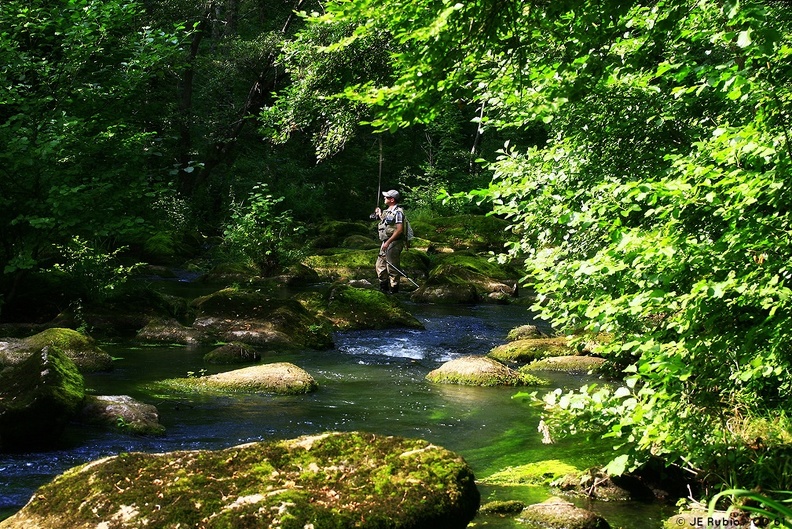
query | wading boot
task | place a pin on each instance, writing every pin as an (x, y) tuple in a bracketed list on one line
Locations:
[(384, 287), (394, 289)]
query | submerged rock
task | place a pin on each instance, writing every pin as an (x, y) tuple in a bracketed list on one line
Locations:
[(122, 413), (332, 480), (555, 513), (37, 398), (479, 371), (81, 349), (279, 378)]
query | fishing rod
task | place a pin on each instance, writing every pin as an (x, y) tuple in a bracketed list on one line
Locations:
[(379, 181)]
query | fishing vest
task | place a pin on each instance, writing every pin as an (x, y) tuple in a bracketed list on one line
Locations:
[(387, 223)]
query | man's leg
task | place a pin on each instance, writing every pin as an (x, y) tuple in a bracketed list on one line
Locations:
[(381, 267), (394, 257)]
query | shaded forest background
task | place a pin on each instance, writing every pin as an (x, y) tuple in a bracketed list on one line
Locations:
[(141, 129), (641, 151)]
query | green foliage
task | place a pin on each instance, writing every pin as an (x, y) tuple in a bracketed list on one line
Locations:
[(776, 511), (654, 208), (75, 161), (258, 234), (93, 273)]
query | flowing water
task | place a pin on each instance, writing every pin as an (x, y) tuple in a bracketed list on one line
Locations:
[(371, 380)]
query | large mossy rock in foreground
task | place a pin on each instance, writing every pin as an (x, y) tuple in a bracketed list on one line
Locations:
[(331, 480), (37, 398), (253, 317), (81, 349)]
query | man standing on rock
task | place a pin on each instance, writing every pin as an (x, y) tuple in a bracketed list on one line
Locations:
[(391, 233)]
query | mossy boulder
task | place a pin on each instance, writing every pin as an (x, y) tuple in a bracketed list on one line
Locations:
[(348, 307), (127, 312), (565, 364), (466, 278), (81, 349), (281, 378), (479, 371), (226, 273), (232, 353), (556, 513), (121, 413), (168, 331), (38, 397), (255, 318), (297, 275), (524, 332), (530, 349), (360, 242), (348, 479)]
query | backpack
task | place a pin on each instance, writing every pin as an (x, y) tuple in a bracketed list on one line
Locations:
[(408, 233)]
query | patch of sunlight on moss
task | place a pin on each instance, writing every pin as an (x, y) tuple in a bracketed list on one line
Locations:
[(538, 473)]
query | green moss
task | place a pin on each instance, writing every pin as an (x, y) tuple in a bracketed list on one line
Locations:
[(342, 263), (328, 481), (358, 308), (475, 263), (81, 349), (566, 364), (538, 473), (524, 332), (232, 353), (283, 321), (476, 232), (37, 398), (502, 507), (280, 378), (530, 349)]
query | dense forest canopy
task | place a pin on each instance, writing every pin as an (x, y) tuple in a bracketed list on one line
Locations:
[(644, 161), (654, 216)]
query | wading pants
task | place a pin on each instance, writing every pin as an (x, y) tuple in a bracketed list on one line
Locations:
[(387, 275)]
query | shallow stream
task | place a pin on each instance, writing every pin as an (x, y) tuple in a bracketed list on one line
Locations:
[(372, 380)]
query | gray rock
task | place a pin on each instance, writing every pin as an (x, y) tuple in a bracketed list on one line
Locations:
[(556, 513), (122, 413)]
